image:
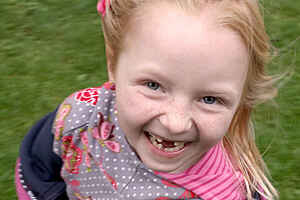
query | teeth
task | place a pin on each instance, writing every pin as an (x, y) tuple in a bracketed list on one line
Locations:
[(160, 146), (170, 149), (177, 144), (153, 140), (159, 140), (173, 149), (156, 142)]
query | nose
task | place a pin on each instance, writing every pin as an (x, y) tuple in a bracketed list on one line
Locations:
[(176, 119)]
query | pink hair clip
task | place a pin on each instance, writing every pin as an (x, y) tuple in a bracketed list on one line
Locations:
[(101, 6)]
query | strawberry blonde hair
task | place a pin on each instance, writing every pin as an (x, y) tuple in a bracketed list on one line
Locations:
[(243, 17)]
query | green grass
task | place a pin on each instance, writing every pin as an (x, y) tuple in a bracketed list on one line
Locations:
[(51, 48)]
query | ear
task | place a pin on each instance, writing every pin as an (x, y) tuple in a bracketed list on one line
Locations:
[(109, 64), (111, 75)]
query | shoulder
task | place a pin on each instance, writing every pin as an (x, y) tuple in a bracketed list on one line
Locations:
[(76, 110)]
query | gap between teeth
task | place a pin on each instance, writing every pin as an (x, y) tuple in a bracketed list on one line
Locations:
[(155, 140)]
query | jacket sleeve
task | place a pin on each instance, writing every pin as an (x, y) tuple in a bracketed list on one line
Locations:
[(39, 165)]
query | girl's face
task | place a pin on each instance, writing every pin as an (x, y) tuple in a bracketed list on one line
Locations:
[(179, 81)]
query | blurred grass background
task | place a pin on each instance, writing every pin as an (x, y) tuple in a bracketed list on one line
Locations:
[(50, 48)]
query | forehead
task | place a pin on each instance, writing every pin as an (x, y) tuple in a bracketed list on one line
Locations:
[(171, 41), (177, 33)]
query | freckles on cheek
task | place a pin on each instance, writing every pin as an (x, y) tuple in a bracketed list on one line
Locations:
[(217, 127), (226, 124), (132, 105), (141, 104), (124, 98)]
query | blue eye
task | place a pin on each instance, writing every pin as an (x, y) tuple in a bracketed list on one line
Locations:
[(209, 99), (153, 85)]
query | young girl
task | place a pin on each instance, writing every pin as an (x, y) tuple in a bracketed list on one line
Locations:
[(173, 122)]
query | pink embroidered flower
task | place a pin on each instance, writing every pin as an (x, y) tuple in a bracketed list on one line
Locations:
[(59, 127), (105, 135), (89, 95), (101, 6), (63, 112), (109, 86), (80, 197), (72, 155), (85, 142), (59, 122), (84, 139), (109, 177), (75, 183)]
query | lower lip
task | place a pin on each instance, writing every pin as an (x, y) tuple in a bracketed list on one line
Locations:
[(163, 153)]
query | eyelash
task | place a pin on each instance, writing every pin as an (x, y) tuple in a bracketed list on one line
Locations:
[(217, 100), (154, 87), (147, 84)]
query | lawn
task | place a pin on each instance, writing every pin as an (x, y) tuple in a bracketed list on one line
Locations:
[(51, 48)]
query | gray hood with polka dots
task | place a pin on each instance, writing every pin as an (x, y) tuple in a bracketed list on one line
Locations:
[(98, 161)]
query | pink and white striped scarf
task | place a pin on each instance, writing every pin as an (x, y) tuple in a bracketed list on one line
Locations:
[(212, 178)]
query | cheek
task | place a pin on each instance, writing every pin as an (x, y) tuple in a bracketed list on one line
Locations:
[(133, 109), (131, 101), (214, 127)]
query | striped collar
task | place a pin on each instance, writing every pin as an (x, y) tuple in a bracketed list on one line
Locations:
[(212, 178)]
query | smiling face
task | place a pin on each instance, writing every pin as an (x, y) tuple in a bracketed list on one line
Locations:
[(179, 81)]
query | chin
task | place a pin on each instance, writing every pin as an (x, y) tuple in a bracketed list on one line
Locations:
[(165, 168)]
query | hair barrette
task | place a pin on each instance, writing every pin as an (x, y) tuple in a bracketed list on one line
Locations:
[(101, 6)]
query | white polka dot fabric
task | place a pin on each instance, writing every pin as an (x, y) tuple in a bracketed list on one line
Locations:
[(98, 162)]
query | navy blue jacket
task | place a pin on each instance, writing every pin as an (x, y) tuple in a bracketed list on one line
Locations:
[(39, 164)]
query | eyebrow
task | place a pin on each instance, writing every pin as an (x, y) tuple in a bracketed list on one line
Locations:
[(153, 72)]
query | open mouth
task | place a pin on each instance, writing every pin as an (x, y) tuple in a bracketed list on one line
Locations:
[(165, 145)]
